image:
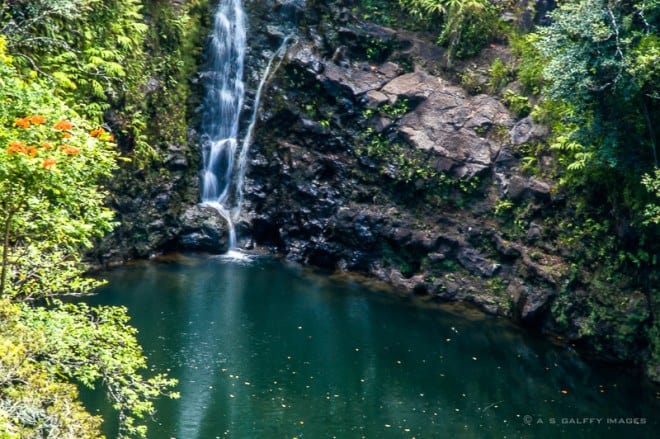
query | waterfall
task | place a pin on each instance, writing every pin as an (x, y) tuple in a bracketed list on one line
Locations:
[(247, 140), (222, 177), (222, 107)]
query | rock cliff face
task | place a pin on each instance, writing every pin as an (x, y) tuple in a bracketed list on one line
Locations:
[(319, 195), (368, 158)]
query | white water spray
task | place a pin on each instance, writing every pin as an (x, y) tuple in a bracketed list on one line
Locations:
[(225, 90)]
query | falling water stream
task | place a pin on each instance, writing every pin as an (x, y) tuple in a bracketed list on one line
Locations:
[(222, 106), (222, 175)]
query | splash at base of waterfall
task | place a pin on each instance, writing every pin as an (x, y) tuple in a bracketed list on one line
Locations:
[(232, 254), (238, 256), (226, 214)]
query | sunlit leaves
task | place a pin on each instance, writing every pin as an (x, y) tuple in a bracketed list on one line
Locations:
[(467, 24), (87, 46), (34, 402), (71, 58), (652, 209), (51, 208), (584, 51), (600, 76), (646, 63), (95, 346)]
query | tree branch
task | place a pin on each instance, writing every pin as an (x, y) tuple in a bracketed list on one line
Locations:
[(5, 250)]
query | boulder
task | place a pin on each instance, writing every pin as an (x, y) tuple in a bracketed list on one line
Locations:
[(448, 123), (536, 303), (519, 188), (526, 130), (203, 229), (476, 263)]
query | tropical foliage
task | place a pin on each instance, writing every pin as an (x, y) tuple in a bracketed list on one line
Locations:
[(91, 49), (602, 64), (467, 25), (44, 351), (49, 196), (63, 64)]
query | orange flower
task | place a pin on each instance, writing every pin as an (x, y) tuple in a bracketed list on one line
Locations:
[(69, 150), (111, 138), (67, 135), (38, 119), (17, 147), (24, 123), (98, 132), (32, 151), (47, 145), (63, 125), (48, 163)]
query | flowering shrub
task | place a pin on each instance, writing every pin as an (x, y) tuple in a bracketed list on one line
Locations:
[(51, 208)]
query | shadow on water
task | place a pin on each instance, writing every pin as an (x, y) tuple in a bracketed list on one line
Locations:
[(264, 349)]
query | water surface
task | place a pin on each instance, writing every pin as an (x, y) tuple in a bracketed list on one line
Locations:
[(268, 350)]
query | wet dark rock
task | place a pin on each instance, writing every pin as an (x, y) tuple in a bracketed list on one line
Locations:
[(305, 56), (275, 34), (203, 229), (151, 86), (324, 256), (476, 263), (536, 303), (522, 188), (163, 200), (542, 8), (538, 188), (176, 162), (532, 303), (436, 257), (517, 187), (504, 157), (374, 99), (291, 9), (381, 124), (526, 130), (534, 233)]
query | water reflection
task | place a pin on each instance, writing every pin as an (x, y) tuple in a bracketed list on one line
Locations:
[(265, 350)]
